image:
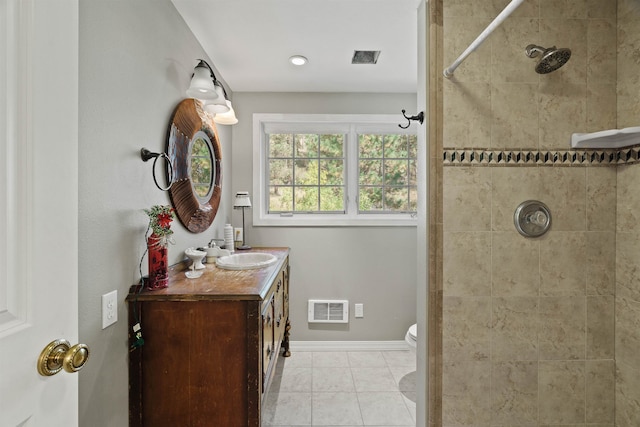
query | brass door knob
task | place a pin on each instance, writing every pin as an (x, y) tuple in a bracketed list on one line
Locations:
[(60, 355)]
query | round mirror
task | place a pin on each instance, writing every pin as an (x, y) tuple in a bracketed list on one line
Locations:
[(201, 162), (194, 151)]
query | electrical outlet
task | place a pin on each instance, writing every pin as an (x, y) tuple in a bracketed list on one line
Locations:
[(359, 312), (109, 308)]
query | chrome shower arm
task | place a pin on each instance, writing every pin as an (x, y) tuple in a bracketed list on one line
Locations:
[(533, 51)]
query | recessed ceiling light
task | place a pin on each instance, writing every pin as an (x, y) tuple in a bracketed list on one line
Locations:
[(298, 60)]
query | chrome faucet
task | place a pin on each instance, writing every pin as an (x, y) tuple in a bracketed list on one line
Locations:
[(212, 242)]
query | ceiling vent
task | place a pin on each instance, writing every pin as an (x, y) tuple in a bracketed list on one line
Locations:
[(365, 56)]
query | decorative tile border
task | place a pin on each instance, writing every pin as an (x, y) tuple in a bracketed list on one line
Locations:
[(482, 157)]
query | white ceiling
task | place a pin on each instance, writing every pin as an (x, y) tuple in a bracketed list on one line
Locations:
[(250, 41)]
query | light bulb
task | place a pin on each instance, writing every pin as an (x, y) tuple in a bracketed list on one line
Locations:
[(298, 60)]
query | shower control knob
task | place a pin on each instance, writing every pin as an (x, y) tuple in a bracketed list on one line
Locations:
[(532, 218), (538, 218)]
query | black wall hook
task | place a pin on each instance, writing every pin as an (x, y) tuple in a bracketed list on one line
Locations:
[(419, 117), (148, 155)]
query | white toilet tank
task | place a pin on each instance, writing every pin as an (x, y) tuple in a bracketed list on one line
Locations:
[(410, 337)]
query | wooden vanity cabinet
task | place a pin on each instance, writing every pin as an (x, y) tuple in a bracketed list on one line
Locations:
[(275, 324), (210, 346)]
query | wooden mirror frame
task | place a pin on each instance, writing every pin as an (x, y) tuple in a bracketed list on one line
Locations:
[(187, 120)]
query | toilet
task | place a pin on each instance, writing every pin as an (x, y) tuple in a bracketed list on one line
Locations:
[(410, 337)]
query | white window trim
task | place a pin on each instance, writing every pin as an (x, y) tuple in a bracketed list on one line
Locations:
[(325, 122)]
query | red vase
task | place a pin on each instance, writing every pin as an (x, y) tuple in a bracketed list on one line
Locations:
[(158, 263)]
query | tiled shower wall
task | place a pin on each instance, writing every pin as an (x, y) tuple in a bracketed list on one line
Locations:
[(528, 324), (628, 298), (628, 218)]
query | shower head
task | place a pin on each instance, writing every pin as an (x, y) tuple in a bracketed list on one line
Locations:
[(551, 60)]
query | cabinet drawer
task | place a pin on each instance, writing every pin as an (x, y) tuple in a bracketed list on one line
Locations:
[(279, 306), (285, 289), (268, 351)]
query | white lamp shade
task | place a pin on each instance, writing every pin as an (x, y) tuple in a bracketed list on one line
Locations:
[(228, 118), (202, 86), (218, 105), (242, 200)]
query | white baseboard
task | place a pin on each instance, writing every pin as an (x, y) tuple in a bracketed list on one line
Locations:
[(349, 345)]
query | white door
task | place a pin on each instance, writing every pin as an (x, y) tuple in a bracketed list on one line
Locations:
[(38, 207)]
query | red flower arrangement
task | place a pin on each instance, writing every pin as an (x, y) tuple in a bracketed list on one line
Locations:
[(160, 218)]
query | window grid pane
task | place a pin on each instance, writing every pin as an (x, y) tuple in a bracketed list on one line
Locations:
[(281, 198), (387, 173), (310, 168)]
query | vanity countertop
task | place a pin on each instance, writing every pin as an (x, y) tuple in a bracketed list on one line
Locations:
[(216, 283)]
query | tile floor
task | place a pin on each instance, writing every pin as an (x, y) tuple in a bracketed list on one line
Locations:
[(361, 388)]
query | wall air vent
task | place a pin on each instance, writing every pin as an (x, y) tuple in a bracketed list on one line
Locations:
[(328, 311), (365, 56)]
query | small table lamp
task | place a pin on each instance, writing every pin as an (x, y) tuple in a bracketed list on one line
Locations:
[(242, 201)]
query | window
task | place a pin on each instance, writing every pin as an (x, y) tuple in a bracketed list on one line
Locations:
[(334, 170), (306, 173), (387, 173)]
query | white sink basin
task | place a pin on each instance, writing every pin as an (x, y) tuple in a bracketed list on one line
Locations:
[(245, 261)]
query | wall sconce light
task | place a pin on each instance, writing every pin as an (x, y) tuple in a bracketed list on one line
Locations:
[(228, 118), (202, 86), (218, 105), (242, 201), (206, 87)]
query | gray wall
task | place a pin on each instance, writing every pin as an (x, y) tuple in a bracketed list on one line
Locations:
[(375, 266), (135, 62), (136, 59)]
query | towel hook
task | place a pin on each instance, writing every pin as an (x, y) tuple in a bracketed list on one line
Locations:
[(146, 155), (419, 117)]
